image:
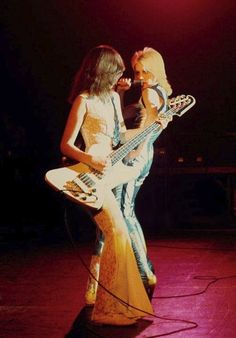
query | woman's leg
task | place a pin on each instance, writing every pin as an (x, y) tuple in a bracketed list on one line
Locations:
[(129, 194), (120, 285), (145, 266), (94, 267)]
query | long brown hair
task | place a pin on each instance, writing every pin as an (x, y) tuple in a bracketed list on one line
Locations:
[(98, 72)]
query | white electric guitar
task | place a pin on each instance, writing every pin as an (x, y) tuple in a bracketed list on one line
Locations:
[(87, 186)]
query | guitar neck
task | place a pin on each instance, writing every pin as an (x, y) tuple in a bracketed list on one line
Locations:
[(121, 152)]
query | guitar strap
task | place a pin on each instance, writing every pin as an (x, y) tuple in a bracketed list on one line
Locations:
[(116, 136)]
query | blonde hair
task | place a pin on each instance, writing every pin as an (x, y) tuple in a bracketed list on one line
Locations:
[(153, 62)]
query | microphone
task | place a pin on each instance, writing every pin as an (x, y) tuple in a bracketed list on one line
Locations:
[(135, 83), (132, 84)]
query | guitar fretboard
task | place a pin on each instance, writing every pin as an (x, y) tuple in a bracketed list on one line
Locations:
[(121, 152)]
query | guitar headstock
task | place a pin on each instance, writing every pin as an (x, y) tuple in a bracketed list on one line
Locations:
[(180, 104)]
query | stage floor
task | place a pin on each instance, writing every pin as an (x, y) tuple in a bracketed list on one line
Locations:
[(43, 286)]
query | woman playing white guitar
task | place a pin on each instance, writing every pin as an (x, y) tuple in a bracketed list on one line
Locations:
[(96, 113)]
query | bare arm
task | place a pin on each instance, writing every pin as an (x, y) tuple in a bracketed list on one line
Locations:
[(122, 86), (149, 114), (153, 103)]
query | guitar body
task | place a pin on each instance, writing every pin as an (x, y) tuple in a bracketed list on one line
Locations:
[(65, 180)]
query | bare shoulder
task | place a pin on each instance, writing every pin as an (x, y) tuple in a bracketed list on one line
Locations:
[(150, 97), (79, 107), (80, 102), (146, 92), (81, 98)]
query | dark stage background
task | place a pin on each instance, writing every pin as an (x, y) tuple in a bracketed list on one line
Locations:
[(42, 46)]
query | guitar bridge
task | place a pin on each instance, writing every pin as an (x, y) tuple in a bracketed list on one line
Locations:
[(74, 189)]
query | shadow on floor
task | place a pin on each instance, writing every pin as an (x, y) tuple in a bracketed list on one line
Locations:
[(82, 327)]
